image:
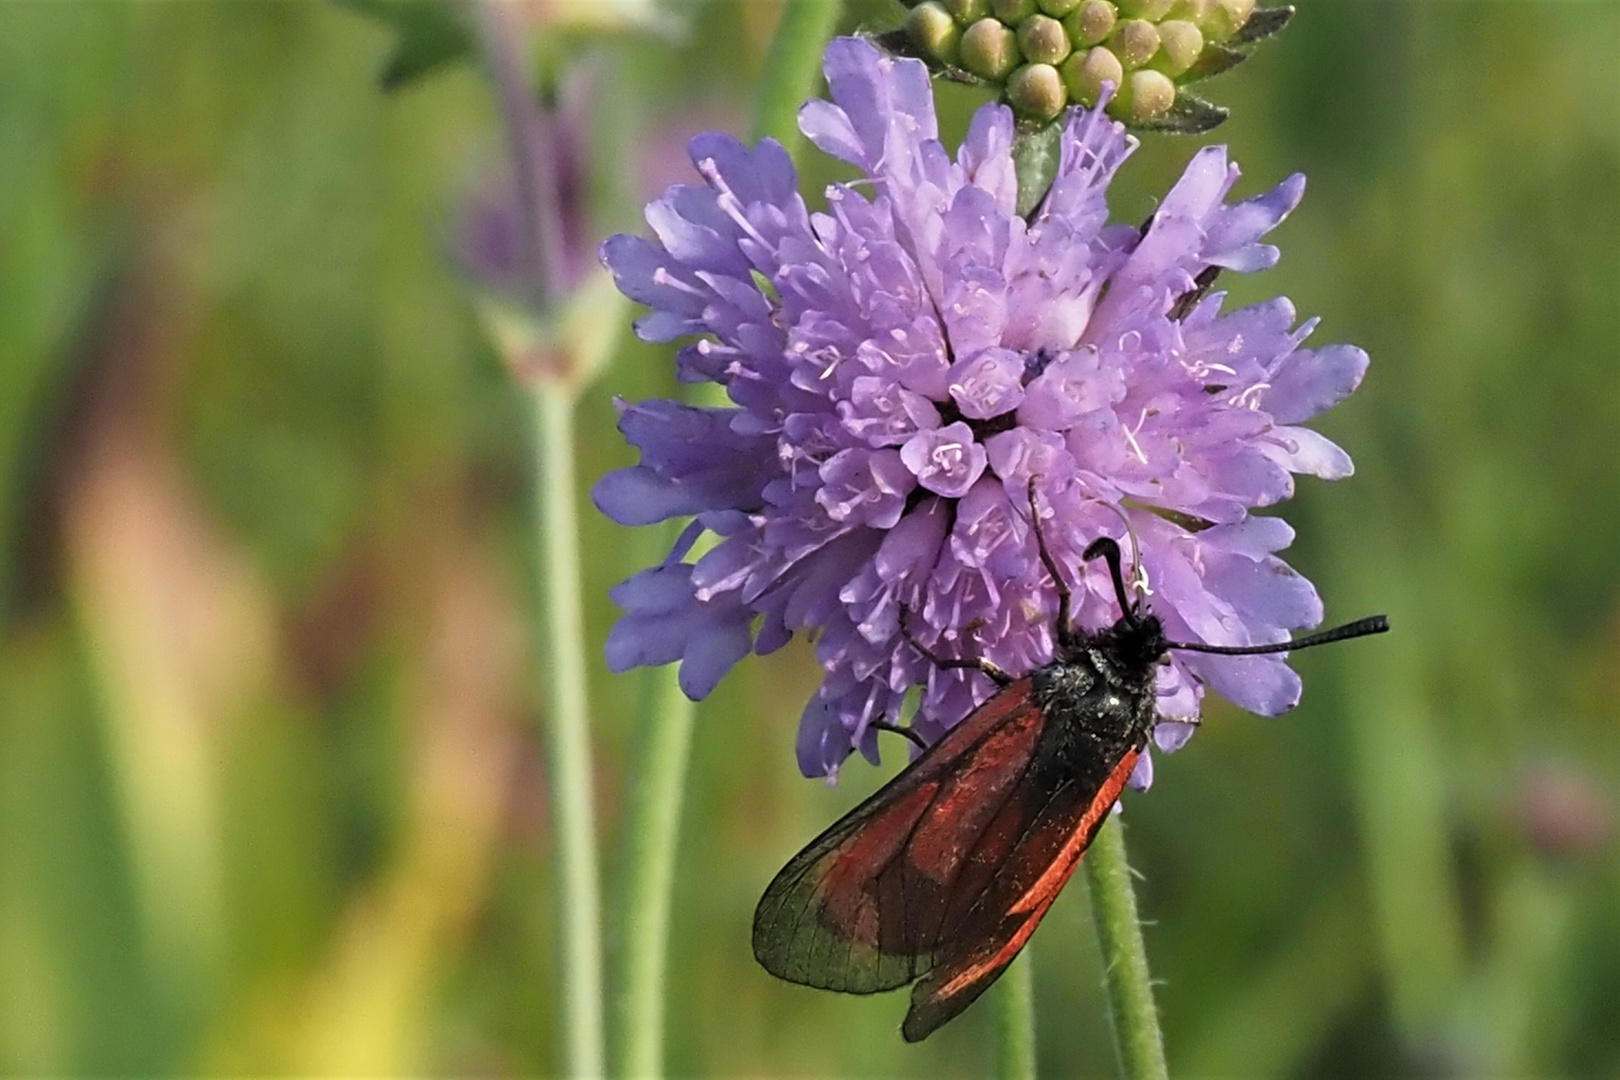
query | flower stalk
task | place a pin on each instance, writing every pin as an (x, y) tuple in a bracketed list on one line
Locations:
[(1119, 934), (653, 837), (568, 733), (792, 68), (531, 141), (1016, 1022)]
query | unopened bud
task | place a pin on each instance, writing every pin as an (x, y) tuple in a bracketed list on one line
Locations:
[(989, 49), (1148, 94), (1227, 18), (933, 29), (968, 12), (1193, 11), (1012, 12), (1179, 45), (1042, 40), (1151, 10), (1057, 8), (1036, 91), (1090, 23), (1135, 42), (1085, 73)]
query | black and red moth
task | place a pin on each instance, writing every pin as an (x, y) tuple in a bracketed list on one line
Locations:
[(941, 876)]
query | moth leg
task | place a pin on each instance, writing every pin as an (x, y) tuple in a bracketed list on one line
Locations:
[(1065, 632), (978, 663), (916, 739)]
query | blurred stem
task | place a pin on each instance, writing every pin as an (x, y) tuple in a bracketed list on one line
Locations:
[(1400, 787), (1119, 933), (568, 733), (530, 141), (793, 67), (1016, 1024), (653, 838)]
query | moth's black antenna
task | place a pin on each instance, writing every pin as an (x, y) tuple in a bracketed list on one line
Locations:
[(917, 740), (1373, 624), (1138, 571), (1065, 632), (1108, 548)]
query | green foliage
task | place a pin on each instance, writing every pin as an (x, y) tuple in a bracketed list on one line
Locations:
[(271, 798), (429, 36)]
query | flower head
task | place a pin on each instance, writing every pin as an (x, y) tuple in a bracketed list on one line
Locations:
[(902, 367)]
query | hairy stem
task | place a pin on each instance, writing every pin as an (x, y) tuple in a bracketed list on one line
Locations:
[(1119, 933)]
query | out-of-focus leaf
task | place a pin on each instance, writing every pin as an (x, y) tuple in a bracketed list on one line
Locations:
[(430, 36)]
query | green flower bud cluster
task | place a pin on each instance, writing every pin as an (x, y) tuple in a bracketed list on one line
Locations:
[(1046, 54)]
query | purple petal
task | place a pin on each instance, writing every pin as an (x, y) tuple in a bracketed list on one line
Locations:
[(1302, 450), (1021, 454), (945, 460), (1231, 241), (824, 742), (988, 384), (1264, 592), (1142, 772), (1069, 388), (664, 621), (1255, 536), (1092, 149), (694, 232), (865, 487), (886, 102), (1311, 381), (763, 176), (1261, 684), (986, 156), (1172, 735), (691, 460), (646, 274)]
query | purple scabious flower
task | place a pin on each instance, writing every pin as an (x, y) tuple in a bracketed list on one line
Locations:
[(902, 366)]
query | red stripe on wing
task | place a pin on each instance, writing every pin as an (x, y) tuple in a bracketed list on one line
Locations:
[(863, 907), (1010, 907)]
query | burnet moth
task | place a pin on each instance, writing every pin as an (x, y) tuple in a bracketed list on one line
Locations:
[(941, 876)]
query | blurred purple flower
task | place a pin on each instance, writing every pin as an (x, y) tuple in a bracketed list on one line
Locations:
[(487, 227), (488, 241), (901, 367)]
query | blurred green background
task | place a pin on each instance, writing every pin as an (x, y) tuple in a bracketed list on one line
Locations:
[(272, 790)]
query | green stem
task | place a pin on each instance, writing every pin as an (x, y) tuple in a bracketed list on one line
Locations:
[(653, 836), (1016, 1023), (792, 68), (568, 732), (1119, 933)]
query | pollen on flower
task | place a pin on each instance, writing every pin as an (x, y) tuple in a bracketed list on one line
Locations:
[(901, 367)]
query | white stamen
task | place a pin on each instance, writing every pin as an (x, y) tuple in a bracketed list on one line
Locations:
[(728, 202), (1250, 398), (662, 276), (1130, 437)]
